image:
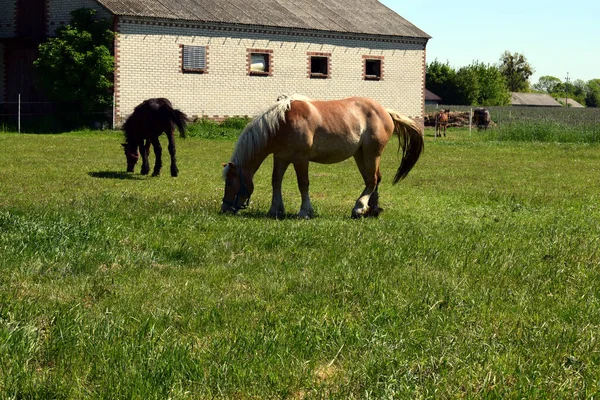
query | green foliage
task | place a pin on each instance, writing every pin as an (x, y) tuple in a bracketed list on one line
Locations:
[(516, 71), (548, 84), (475, 84), (230, 128), (76, 66), (592, 97)]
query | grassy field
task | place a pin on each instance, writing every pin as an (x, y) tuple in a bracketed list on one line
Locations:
[(480, 279)]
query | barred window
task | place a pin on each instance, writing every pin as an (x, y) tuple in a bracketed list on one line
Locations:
[(194, 58)]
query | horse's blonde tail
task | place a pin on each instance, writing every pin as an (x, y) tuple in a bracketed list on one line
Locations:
[(411, 142)]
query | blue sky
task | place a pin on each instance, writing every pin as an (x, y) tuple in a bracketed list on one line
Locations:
[(556, 37)]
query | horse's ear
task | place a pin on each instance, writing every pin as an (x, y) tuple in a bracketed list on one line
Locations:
[(124, 145), (223, 165)]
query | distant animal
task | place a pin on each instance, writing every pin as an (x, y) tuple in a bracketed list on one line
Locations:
[(298, 130), (441, 122), (481, 118), (143, 127)]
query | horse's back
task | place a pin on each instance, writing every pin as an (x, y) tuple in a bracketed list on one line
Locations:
[(332, 131)]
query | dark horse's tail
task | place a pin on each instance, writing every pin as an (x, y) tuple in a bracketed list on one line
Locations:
[(177, 117), (411, 142)]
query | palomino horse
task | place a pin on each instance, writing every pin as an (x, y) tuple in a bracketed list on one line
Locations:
[(297, 130), (441, 122), (142, 129)]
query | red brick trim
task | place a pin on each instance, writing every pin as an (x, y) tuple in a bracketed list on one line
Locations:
[(312, 54), (269, 54), (117, 71), (423, 86), (185, 71), (364, 66)]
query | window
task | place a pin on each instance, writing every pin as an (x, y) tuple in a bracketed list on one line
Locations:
[(194, 59), (373, 68), (318, 65), (259, 62)]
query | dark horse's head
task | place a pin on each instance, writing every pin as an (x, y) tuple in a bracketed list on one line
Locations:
[(238, 189), (132, 154)]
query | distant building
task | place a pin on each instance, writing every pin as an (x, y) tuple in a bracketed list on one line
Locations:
[(432, 99), (570, 103), (234, 57), (519, 99)]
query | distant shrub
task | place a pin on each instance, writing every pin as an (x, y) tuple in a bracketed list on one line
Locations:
[(230, 128)]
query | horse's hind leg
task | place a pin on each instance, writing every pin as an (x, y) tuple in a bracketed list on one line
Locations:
[(279, 167), (172, 152), (158, 156), (306, 210), (367, 204)]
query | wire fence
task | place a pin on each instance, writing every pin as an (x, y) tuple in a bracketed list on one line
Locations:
[(560, 124), (49, 117)]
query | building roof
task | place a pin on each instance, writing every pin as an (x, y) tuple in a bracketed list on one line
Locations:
[(430, 96), (345, 16), (570, 102), (533, 100)]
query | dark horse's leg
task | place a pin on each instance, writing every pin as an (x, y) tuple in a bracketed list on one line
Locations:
[(157, 155), (144, 150), (172, 151)]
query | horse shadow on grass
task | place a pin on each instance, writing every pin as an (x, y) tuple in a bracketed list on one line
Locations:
[(114, 175)]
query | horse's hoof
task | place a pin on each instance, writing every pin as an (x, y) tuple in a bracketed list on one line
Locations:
[(155, 173), (305, 214), (174, 172), (360, 213), (280, 214), (374, 212)]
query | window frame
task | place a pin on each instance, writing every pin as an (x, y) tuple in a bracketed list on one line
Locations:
[(368, 58), (269, 59), (319, 75), (193, 70)]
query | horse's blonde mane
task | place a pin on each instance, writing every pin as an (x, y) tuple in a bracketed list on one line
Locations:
[(261, 129)]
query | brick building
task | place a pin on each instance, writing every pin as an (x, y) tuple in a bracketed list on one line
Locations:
[(234, 57)]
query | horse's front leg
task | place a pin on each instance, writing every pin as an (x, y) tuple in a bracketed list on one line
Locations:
[(144, 151), (279, 167), (172, 151), (157, 156), (306, 210)]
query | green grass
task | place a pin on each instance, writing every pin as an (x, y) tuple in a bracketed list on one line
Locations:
[(480, 279)]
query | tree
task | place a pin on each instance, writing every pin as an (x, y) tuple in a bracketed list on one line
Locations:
[(592, 97), (441, 79), (475, 84), (77, 66), (547, 84), (516, 71)]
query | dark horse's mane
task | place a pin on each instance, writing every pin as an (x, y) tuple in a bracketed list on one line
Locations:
[(152, 114)]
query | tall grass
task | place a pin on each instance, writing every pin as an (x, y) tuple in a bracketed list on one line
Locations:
[(481, 279)]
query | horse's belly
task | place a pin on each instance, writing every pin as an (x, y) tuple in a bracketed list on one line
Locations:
[(332, 151)]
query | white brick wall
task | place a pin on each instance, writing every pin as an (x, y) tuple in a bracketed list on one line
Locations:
[(7, 18), (59, 12), (149, 65)]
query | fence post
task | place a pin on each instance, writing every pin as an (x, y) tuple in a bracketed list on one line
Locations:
[(470, 120), (19, 114)]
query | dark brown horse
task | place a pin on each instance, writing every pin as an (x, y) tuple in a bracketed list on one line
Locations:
[(441, 122), (481, 118), (142, 129), (297, 130)]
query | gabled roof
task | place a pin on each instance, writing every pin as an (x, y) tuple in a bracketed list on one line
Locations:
[(430, 96), (533, 99), (345, 16), (570, 102)]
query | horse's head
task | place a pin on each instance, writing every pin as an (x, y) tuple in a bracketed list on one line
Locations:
[(238, 189), (132, 154)]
